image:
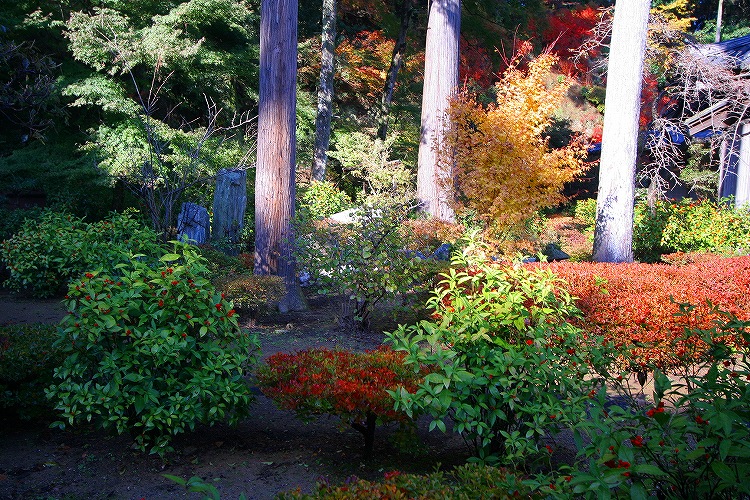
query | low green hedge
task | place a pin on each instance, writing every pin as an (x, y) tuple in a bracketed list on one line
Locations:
[(27, 362)]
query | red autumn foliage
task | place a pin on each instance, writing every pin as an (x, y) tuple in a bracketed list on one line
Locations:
[(636, 310), (344, 383), (476, 64), (567, 30)]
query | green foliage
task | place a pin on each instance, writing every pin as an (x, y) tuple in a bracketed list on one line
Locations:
[(152, 351), (252, 294), (362, 263), (368, 162), (585, 210), (706, 226), (699, 172), (692, 441), (209, 46), (463, 483), (27, 361), (320, 199), (49, 252), (648, 226), (731, 30), (594, 95), (11, 220), (219, 264), (509, 367), (66, 177)]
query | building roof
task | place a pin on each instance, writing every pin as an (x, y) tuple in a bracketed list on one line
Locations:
[(734, 52)]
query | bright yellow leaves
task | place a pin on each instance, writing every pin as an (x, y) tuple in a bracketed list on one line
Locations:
[(503, 167)]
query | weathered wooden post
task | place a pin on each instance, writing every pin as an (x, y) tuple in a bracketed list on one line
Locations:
[(193, 224), (230, 202)]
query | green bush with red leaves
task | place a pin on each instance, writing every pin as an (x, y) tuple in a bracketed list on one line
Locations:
[(635, 304), (510, 368), (691, 440), (152, 350), (348, 384)]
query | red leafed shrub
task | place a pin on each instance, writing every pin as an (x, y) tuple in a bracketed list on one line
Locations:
[(348, 384), (632, 303)]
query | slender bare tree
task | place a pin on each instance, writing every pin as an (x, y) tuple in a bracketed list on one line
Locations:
[(440, 82), (613, 237), (406, 10), (325, 91), (274, 175)]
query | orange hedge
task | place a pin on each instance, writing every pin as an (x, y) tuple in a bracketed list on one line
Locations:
[(630, 303)]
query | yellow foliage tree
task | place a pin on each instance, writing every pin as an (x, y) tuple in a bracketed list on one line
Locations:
[(504, 169)]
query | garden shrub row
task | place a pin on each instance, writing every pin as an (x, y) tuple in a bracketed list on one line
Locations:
[(48, 252), (636, 304), (690, 439), (683, 226)]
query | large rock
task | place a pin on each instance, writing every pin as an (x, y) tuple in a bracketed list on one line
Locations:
[(193, 224)]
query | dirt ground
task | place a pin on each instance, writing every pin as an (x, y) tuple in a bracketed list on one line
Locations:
[(269, 452)]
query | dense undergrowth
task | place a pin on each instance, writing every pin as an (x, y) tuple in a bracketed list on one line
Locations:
[(509, 356)]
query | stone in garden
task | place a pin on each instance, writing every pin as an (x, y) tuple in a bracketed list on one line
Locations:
[(230, 201), (193, 224), (443, 252), (345, 217), (553, 253), (353, 215)]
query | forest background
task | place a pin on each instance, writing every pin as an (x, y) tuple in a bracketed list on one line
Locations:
[(75, 129)]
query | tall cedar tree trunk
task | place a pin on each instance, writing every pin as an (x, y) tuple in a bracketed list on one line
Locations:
[(405, 10), (613, 237), (274, 175), (440, 82), (325, 91)]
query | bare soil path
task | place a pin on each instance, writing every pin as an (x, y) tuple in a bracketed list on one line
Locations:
[(269, 452)]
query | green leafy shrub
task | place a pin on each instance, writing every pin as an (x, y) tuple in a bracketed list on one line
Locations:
[(691, 441), (219, 264), (362, 263), (11, 220), (352, 386), (252, 294), (648, 228), (321, 199), (152, 351), (509, 368), (585, 211), (705, 226), (466, 482), (49, 252), (27, 361)]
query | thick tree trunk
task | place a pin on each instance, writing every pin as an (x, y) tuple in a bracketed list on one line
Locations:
[(613, 237), (325, 91), (406, 11), (274, 175), (440, 82)]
